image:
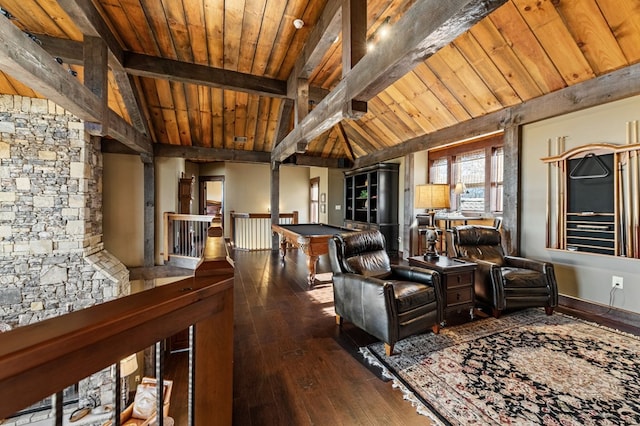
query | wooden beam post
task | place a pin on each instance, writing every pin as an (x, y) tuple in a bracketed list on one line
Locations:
[(511, 189), (408, 194), (95, 73), (302, 100), (149, 210), (275, 202), (354, 46)]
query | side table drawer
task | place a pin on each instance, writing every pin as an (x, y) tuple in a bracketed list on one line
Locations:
[(456, 296), (463, 278)]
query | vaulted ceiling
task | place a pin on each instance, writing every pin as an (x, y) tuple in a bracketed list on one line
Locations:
[(216, 79)]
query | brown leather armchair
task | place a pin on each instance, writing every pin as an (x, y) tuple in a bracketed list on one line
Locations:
[(504, 282), (389, 302)]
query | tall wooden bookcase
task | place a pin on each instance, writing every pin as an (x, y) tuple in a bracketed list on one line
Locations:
[(371, 201)]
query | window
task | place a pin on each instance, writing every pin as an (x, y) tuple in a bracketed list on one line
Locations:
[(497, 173), (314, 191), (469, 168), (479, 165), (438, 171)]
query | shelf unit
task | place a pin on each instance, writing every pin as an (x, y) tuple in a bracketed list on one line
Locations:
[(371, 201)]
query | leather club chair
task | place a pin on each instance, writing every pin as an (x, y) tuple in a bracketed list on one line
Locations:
[(390, 302), (504, 282)]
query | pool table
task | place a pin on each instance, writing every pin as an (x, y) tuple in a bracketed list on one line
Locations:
[(311, 238)]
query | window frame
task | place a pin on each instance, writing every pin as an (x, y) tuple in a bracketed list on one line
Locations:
[(489, 145)]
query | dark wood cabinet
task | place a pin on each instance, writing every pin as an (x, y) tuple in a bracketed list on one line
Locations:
[(457, 281), (185, 194), (371, 201)]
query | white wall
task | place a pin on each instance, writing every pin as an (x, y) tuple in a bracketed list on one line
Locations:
[(582, 275), (248, 189), (123, 208)]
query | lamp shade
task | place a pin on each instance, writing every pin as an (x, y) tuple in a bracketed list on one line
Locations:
[(460, 188), (128, 365), (432, 196)]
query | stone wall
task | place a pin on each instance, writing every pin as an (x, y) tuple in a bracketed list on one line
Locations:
[(50, 215), (52, 259)]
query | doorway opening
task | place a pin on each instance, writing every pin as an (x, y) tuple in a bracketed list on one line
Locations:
[(212, 197)]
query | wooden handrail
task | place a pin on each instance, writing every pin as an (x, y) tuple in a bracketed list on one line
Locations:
[(40, 359)]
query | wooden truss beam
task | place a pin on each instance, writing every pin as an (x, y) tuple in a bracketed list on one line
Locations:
[(394, 57), (614, 86)]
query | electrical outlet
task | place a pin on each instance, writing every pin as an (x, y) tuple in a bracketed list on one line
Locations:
[(137, 379), (617, 282)]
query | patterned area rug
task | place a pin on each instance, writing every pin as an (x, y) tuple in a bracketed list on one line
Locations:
[(525, 368)]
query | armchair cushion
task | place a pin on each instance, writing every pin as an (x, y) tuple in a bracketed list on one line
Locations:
[(144, 403), (522, 278), (480, 243), (363, 253), (410, 295), (127, 417)]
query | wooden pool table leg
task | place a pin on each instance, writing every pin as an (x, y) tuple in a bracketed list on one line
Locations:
[(312, 261), (283, 246)]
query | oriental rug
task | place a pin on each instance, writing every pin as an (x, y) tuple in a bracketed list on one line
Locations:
[(525, 368)]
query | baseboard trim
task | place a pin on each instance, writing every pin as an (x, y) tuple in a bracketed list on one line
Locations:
[(602, 314)]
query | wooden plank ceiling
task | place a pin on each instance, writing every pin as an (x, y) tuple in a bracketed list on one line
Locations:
[(523, 50)]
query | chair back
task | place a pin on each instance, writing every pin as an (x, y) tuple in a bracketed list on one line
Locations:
[(361, 252), (477, 242)]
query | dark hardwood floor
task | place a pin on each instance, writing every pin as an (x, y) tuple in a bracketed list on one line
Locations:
[(292, 365)]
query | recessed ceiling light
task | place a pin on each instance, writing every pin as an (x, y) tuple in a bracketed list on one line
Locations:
[(298, 23)]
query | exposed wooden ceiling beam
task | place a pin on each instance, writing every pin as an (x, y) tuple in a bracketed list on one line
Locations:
[(185, 72), (617, 85), (90, 22), (30, 64), (418, 39), (71, 52), (196, 153), (330, 163), (284, 120), (342, 136)]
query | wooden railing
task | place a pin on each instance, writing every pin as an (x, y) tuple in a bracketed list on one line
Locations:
[(185, 235), (42, 359), (252, 231)]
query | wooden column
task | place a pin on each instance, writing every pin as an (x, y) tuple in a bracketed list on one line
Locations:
[(354, 33), (95, 73), (302, 100), (149, 210), (407, 231), (354, 44), (511, 188), (275, 202)]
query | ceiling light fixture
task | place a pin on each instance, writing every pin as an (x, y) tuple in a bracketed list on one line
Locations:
[(298, 23), (380, 33)]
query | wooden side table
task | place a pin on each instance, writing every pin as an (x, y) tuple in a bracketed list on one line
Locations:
[(457, 281)]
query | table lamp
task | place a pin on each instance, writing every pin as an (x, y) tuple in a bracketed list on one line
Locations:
[(128, 366), (459, 190), (432, 196)]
